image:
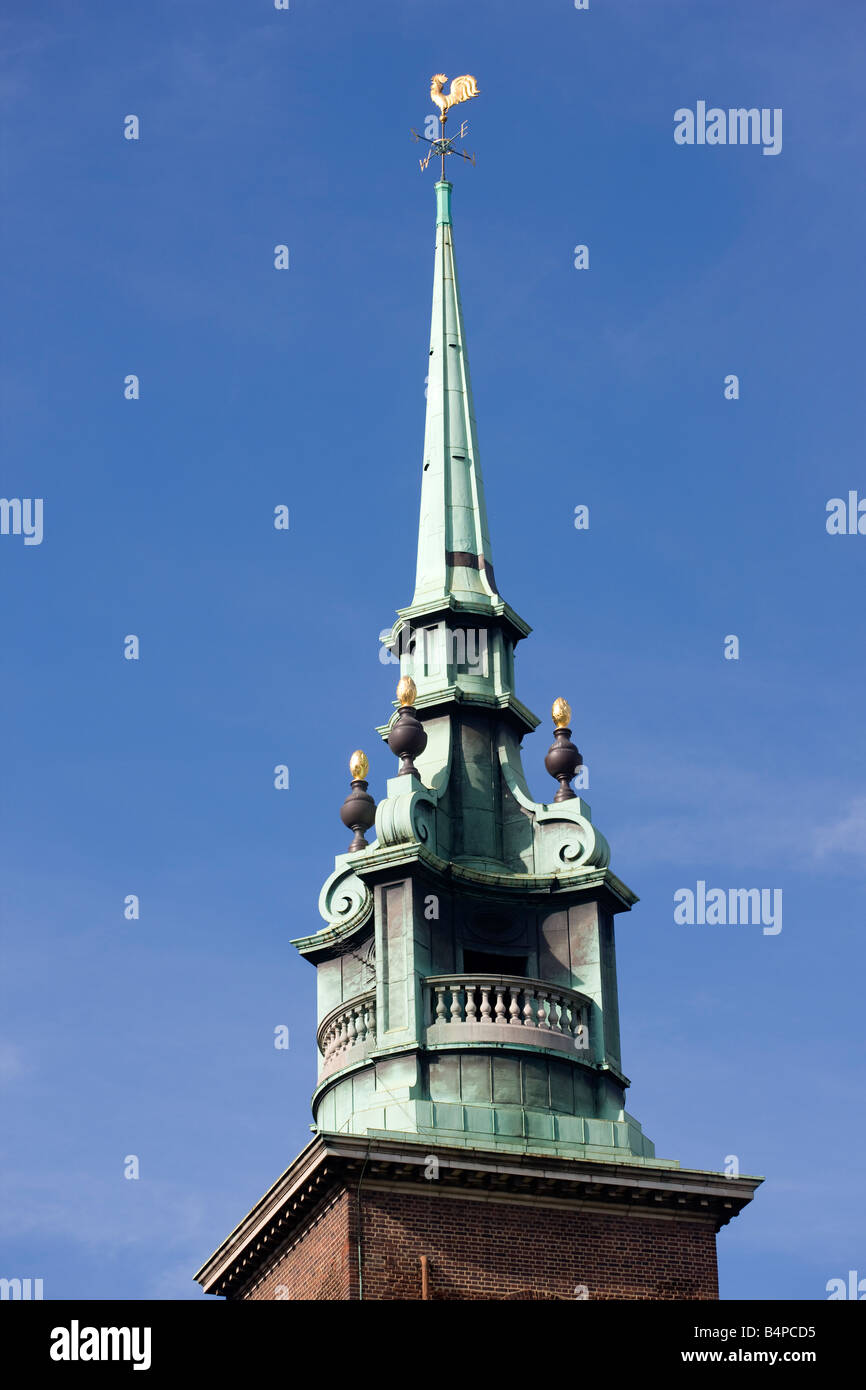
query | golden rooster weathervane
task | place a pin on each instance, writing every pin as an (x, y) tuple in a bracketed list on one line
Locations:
[(462, 89)]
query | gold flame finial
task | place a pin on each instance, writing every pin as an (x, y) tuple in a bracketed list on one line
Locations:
[(406, 690), (561, 712), (359, 765)]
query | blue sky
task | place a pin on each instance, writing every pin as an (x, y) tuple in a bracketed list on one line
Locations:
[(306, 387)]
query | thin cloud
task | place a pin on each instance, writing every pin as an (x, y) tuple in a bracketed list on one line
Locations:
[(12, 1063), (844, 836)]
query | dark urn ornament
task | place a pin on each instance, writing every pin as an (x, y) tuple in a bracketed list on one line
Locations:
[(563, 758), (358, 811), (407, 737)]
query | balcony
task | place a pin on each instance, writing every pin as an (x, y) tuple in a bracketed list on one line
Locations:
[(348, 1033), (506, 1009)]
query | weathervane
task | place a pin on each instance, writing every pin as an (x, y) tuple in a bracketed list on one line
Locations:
[(462, 89)]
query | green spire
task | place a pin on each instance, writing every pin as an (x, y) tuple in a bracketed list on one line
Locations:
[(456, 639), (454, 551)]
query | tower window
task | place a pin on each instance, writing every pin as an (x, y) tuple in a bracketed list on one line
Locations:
[(489, 963)]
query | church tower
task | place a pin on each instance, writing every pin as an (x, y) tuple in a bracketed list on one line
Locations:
[(471, 1133)]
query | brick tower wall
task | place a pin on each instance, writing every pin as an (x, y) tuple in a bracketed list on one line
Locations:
[(489, 1249), (320, 1262)]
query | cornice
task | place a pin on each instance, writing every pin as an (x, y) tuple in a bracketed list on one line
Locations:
[(645, 1189)]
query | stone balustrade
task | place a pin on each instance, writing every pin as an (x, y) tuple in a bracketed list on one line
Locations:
[(507, 1008), (348, 1032)]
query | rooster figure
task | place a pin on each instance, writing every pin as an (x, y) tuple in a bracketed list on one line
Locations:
[(462, 88)]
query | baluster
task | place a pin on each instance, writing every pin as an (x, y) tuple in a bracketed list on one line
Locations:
[(566, 1017), (542, 1014), (570, 1018), (371, 1020), (485, 1004), (500, 1004), (362, 1022), (471, 1007), (552, 1016), (351, 1029), (528, 1011), (440, 1003), (514, 1007), (456, 1009)]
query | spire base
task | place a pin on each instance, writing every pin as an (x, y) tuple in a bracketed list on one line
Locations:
[(443, 202)]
